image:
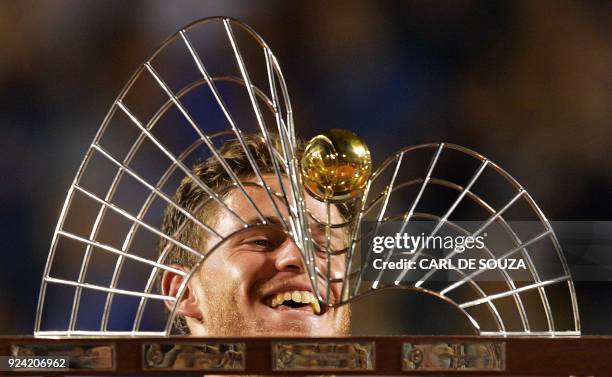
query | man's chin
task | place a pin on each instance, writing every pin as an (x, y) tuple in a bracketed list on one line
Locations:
[(294, 328), (228, 318), (296, 322)]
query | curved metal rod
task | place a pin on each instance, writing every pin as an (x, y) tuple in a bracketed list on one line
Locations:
[(333, 226), (160, 259), (473, 284), (435, 294), (202, 259), (162, 256)]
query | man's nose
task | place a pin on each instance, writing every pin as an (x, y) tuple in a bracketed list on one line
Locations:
[(289, 257)]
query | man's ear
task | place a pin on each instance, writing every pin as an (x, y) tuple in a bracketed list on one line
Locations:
[(188, 304)]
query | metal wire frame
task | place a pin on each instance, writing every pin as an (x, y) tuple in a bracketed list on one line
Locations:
[(491, 306), (285, 165), (274, 77), (495, 216)]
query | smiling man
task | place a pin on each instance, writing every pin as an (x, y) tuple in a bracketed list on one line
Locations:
[(254, 280)]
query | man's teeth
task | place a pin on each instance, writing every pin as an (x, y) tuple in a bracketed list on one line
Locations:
[(303, 297)]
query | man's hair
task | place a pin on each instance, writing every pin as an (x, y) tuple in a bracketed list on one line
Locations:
[(192, 198)]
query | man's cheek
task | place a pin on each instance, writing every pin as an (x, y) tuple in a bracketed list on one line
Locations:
[(249, 272), (338, 266)]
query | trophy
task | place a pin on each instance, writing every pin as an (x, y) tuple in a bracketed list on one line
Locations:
[(215, 82)]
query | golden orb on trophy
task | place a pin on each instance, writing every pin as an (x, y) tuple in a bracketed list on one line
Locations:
[(336, 165)]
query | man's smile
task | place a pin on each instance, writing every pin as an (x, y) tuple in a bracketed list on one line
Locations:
[(293, 299)]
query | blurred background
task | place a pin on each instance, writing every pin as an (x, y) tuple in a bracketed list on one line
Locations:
[(527, 84)]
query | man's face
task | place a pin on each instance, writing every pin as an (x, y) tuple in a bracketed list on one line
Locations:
[(255, 282)]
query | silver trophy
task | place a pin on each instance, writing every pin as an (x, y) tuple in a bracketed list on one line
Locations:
[(216, 82)]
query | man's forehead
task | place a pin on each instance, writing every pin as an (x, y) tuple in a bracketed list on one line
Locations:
[(277, 212)]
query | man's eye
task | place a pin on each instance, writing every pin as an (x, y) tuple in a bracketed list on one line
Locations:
[(261, 243)]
